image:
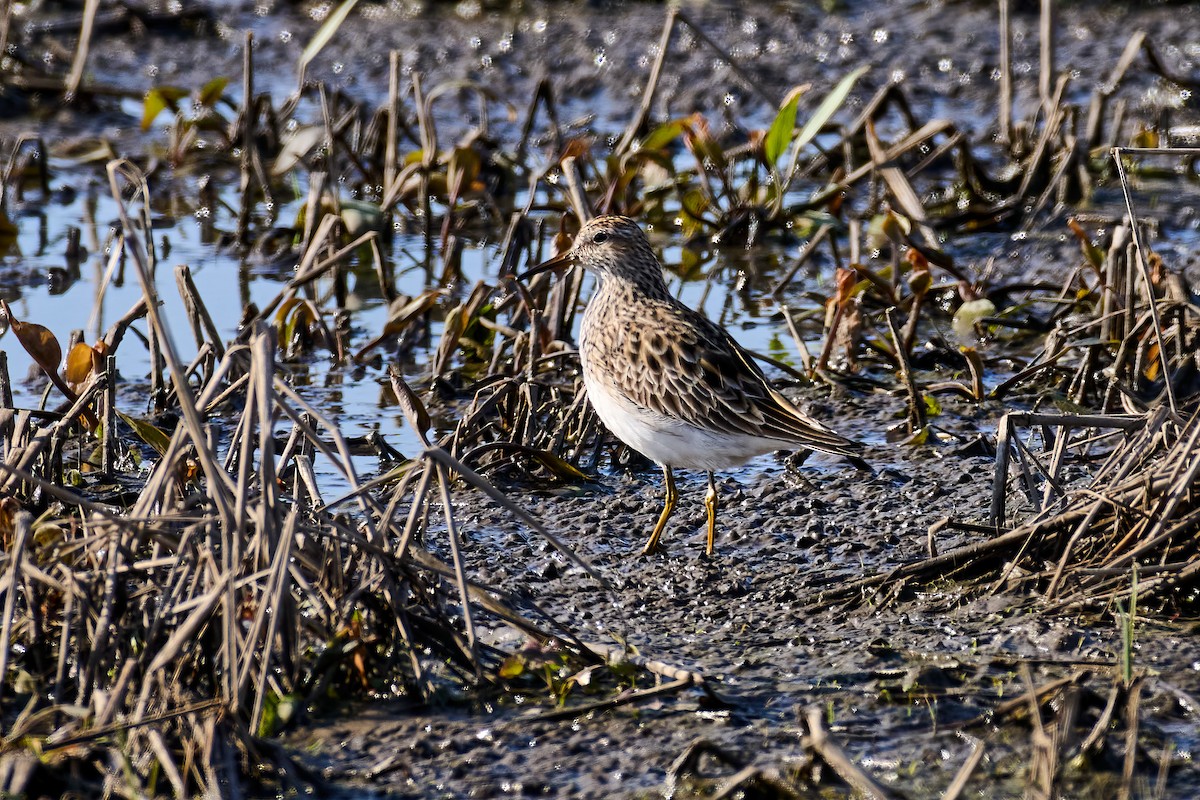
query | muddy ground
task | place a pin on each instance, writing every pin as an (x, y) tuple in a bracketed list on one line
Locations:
[(892, 681)]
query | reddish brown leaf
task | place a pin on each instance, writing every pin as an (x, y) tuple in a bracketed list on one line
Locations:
[(82, 362), (846, 280), (37, 340), (8, 512), (919, 278)]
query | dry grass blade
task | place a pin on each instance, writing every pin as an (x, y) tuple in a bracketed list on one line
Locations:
[(959, 784), (648, 93), (81, 52), (203, 326), (460, 576), (480, 483), (277, 592), (23, 528), (185, 633), (916, 400), (1043, 762), (1143, 265), (1006, 87), (900, 188), (623, 699), (1132, 703), (219, 489), (322, 37)]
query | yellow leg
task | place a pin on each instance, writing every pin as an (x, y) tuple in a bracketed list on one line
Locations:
[(652, 545), (710, 503)]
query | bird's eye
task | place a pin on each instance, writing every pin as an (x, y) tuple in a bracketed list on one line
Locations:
[(600, 238)]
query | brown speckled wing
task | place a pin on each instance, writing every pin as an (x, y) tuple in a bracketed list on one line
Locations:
[(686, 367)]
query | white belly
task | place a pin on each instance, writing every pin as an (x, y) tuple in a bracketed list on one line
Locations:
[(670, 441)]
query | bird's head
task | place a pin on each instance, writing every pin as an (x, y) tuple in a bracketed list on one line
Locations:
[(613, 247)]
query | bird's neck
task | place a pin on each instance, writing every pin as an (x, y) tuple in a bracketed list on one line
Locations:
[(636, 286), (622, 303)]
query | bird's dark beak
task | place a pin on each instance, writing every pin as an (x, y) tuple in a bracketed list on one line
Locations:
[(562, 259)]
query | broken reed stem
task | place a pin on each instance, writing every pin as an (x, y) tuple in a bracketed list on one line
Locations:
[(835, 757), (108, 457), (390, 155), (1133, 699), (339, 455), (444, 477), (90, 7), (806, 360), (916, 401), (7, 423), (1043, 761), (959, 785), (1047, 22), (575, 190), (273, 599), (22, 522), (1144, 486), (1094, 130), (1143, 265), (543, 96), (1006, 88), (219, 489), (203, 327), (639, 120), (806, 252), (249, 121)]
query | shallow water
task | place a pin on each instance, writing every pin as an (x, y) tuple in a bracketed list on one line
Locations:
[(352, 398)]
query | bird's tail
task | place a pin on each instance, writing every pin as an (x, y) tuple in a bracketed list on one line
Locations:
[(816, 436)]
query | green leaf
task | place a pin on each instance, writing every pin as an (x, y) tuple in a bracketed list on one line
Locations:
[(159, 99), (883, 228), (360, 216), (919, 437), (211, 92), (779, 135), (968, 314), (512, 667), (147, 433), (694, 203), (562, 469), (326, 32), (932, 406), (296, 317), (461, 171), (829, 106), (297, 147), (706, 149), (690, 264), (662, 136)]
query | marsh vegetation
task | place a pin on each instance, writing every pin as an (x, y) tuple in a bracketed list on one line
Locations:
[(301, 492)]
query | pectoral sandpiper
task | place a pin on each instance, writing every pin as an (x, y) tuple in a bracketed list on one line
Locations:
[(669, 382)]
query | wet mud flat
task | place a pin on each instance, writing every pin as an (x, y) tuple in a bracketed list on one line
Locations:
[(930, 686), (909, 686)]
